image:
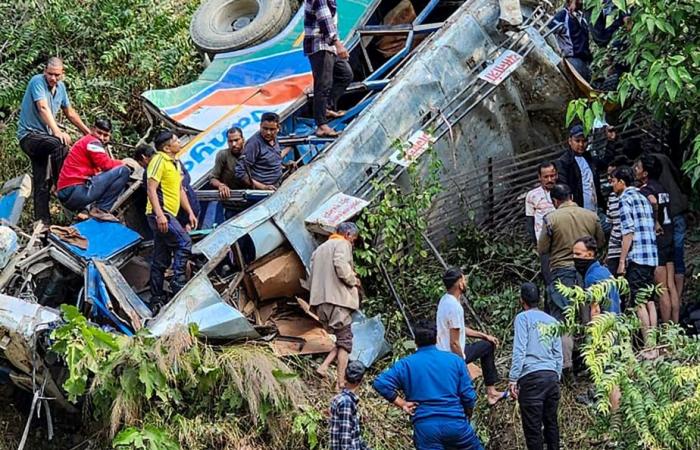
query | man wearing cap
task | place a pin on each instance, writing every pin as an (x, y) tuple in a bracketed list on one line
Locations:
[(345, 431), (452, 334), (334, 293), (90, 176), (166, 195), (437, 393), (39, 134), (578, 170), (561, 230)]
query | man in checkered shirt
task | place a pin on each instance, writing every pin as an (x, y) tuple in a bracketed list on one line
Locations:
[(638, 258), (345, 420), (329, 61)]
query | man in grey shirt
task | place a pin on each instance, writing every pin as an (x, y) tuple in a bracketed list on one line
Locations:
[(535, 372)]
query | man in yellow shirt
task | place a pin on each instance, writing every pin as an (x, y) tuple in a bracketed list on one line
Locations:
[(166, 195)]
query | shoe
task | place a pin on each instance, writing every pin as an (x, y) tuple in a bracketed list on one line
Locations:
[(102, 215)]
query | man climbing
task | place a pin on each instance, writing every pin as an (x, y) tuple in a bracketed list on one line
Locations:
[(572, 37), (344, 427), (452, 334), (535, 372), (89, 176), (437, 393), (538, 202), (39, 135), (166, 195), (329, 61), (334, 294)]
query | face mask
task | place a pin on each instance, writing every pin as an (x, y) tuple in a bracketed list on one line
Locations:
[(582, 265)]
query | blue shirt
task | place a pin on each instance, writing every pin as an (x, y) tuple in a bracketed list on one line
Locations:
[(37, 89), (531, 352), (597, 273), (637, 216), (262, 160), (437, 380)]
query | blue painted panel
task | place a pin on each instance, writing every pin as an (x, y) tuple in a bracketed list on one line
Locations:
[(7, 205), (105, 239), (97, 293)]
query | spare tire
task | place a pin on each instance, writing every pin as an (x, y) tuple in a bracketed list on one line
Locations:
[(225, 25)]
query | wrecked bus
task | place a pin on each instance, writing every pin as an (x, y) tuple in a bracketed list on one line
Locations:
[(441, 74)]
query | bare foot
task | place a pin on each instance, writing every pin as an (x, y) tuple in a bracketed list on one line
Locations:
[(335, 114), (326, 131), (496, 397), (321, 372)]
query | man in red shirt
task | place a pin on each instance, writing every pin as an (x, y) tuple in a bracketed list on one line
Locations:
[(89, 176)]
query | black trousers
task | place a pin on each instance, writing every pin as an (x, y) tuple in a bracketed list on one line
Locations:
[(639, 277), (332, 76), (538, 396), (483, 351), (40, 148)]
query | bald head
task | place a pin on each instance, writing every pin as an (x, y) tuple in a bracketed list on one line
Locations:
[(54, 62), (53, 73)]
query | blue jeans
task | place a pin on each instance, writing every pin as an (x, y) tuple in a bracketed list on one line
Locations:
[(175, 245), (679, 227), (439, 434), (102, 190)]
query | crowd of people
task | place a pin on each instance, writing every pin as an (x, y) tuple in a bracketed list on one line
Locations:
[(433, 385), (582, 238)]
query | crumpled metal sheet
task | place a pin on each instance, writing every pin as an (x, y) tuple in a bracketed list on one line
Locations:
[(199, 303), (368, 342), (24, 318)]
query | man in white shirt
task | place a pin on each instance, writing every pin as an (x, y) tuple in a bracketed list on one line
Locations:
[(452, 333), (538, 201)]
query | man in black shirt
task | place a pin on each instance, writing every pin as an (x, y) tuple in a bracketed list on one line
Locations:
[(647, 170)]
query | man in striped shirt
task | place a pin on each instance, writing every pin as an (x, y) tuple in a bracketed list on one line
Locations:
[(613, 213)]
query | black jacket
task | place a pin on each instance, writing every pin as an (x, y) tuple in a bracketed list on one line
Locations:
[(570, 174)]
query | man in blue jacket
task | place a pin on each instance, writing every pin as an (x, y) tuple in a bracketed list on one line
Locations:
[(438, 394), (592, 271), (535, 372)]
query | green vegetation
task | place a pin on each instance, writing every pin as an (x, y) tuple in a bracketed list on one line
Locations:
[(178, 392), (662, 52), (659, 398), (113, 51)]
